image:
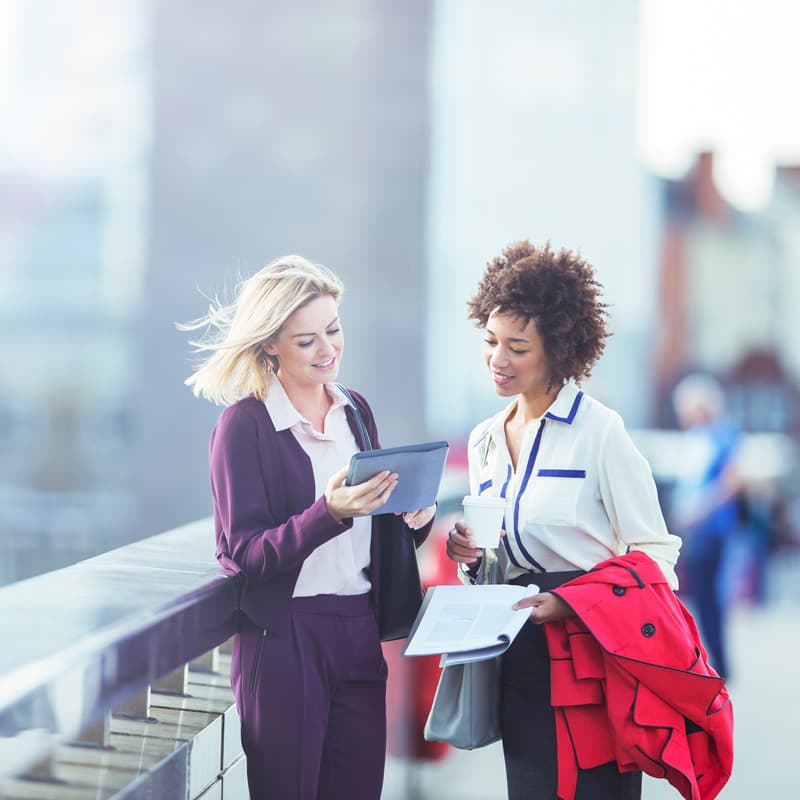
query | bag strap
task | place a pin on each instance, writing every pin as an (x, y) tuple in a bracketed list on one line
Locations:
[(362, 428), (485, 441), (488, 571)]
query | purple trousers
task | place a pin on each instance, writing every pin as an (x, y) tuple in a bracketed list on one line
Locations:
[(313, 704)]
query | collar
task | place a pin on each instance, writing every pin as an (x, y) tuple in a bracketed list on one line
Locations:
[(563, 409), (565, 406), (282, 411)]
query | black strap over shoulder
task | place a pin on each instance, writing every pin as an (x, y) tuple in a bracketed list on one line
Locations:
[(365, 438)]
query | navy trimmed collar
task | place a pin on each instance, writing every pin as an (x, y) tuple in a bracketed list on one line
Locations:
[(565, 406), (563, 409)]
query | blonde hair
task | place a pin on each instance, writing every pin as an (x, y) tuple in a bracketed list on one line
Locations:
[(237, 365)]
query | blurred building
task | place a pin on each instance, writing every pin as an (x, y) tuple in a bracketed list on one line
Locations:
[(730, 290), (533, 137), (281, 128), (72, 228), (195, 143)]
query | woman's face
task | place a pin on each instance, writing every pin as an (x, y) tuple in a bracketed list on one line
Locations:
[(309, 346), (515, 356)]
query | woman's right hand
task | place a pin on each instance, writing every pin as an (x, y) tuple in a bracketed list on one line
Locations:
[(359, 500), (460, 546)]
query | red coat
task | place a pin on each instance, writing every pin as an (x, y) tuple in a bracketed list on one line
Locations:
[(630, 679)]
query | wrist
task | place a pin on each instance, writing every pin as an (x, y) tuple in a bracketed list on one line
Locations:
[(332, 511)]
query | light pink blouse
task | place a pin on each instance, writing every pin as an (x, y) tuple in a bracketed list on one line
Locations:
[(340, 565)]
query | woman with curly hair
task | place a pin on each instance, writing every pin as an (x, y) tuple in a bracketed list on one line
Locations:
[(577, 490)]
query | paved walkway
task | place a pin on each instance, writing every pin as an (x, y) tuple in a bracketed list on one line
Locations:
[(765, 648)]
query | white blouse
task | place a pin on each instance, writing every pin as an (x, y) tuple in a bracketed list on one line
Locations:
[(581, 492), (340, 566)]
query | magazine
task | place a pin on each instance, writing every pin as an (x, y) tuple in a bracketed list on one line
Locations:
[(468, 623)]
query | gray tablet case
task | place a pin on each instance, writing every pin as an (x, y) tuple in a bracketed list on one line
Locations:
[(420, 468)]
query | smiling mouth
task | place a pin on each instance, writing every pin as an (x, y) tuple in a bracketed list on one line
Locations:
[(325, 364), (500, 377)]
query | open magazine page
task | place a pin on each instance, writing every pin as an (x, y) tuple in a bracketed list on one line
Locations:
[(468, 623)]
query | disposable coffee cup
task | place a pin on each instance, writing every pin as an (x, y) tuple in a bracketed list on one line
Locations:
[(484, 517)]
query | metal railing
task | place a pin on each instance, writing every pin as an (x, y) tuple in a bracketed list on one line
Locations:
[(96, 636)]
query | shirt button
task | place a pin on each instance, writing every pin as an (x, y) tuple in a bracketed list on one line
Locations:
[(648, 629), (619, 591)]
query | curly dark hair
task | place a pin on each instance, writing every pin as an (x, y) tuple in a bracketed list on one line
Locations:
[(558, 291)]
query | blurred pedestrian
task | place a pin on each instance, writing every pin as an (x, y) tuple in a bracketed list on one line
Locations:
[(706, 503), (578, 492), (307, 669)]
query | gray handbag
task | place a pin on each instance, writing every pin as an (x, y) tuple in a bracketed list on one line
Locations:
[(466, 707)]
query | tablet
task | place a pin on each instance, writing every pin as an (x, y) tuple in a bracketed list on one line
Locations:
[(419, 466)]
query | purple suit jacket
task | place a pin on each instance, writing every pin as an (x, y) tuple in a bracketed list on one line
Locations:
[(265, 516)]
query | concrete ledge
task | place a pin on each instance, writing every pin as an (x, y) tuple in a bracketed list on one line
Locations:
[(90, 637)]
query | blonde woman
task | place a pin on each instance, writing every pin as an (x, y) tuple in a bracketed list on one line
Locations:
[(307, 670)]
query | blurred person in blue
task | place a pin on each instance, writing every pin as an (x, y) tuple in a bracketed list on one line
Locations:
[(705, 506), (307, 670), (578, 494)]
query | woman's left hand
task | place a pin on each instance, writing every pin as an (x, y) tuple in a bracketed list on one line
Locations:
[(419, 519), (545, 607)]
